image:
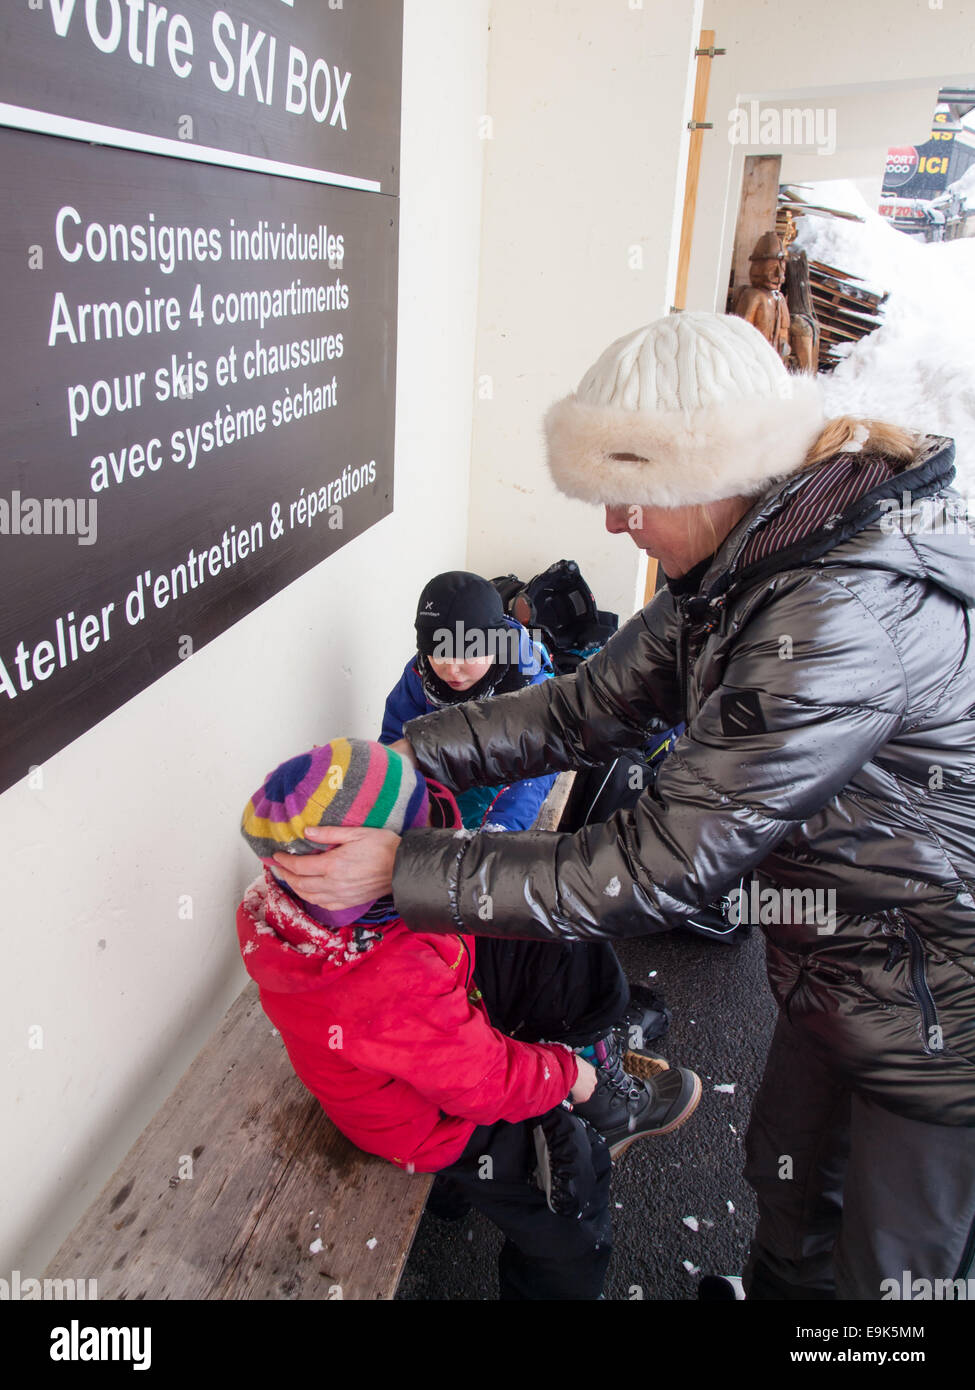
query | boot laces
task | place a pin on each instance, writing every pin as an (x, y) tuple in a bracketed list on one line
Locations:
[(620, 1081)]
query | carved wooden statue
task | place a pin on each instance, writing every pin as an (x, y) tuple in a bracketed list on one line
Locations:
[(762, 303), (804, 325)]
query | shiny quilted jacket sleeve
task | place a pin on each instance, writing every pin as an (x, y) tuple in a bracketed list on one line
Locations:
[(771, 744), (574, 721)]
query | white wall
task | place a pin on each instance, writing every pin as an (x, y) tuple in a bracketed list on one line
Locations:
[(144, 808), (878, 63), (583, 176)]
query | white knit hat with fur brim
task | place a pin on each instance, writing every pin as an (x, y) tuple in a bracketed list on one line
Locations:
[(703, 401)]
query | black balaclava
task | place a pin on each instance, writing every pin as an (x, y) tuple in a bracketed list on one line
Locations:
[(459, 597)]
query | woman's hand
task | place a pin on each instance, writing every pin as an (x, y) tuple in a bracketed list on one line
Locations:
[(357, 870), (585, 1081)]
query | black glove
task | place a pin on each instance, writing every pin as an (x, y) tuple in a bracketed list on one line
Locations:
[(565, 1172)]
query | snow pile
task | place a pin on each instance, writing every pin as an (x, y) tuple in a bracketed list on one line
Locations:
[(918, 368)]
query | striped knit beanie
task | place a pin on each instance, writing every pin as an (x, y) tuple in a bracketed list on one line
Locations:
[(345, 782)]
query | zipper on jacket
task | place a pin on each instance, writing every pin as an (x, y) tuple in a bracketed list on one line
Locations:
[(691, 611), (932, 1040), (717, 609), (470, 967), (897, 948), (682, 648)]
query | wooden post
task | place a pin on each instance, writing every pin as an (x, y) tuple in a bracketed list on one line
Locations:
[(698, 113), (693, 165), (650, 588), (756, 213)]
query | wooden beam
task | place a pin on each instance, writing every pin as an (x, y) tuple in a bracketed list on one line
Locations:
[(699, 110), (550, 813), (650, 587), (756, 212), (701, 82)]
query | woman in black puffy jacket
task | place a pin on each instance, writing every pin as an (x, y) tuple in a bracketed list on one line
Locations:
[(816, 636)]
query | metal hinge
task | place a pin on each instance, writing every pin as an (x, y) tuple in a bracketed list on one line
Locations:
[(711, 52), (700, 125)]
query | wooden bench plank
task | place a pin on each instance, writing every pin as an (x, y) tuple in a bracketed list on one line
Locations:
[(262, 1177), (550, 812)]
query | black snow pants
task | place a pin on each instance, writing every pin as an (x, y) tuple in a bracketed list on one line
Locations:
[(534, 990), (855, 1202)]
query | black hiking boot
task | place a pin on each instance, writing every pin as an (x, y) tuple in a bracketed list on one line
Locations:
[(625, 1108), (638, 1062)]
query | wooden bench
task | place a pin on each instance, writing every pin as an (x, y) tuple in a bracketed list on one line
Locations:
[(242, 1188)]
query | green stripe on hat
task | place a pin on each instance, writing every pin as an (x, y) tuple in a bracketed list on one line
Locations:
[(386, 801)]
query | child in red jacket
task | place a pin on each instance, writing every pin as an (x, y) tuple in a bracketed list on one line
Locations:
[(388, 1029)]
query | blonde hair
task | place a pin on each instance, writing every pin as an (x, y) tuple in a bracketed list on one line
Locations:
[(872, 436), (868, 436)]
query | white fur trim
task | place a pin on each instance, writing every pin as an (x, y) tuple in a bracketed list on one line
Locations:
[(729, 449)]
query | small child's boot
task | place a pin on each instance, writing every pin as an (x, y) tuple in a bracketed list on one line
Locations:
[(625, 1108)]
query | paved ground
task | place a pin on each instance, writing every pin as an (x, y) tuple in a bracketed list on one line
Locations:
[(723, 1015)]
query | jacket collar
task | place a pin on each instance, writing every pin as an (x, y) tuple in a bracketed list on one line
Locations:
[(271, 913), (811, 512)]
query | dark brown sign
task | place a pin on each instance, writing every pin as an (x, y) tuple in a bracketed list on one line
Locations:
[(308, 84), (196, 407)]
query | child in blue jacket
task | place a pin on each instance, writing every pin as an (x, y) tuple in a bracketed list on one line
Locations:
[(469, 649)]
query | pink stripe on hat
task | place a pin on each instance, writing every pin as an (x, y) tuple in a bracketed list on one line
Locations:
[(370, 786)]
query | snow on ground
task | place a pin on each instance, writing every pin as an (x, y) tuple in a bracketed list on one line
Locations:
[(918, 369)]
